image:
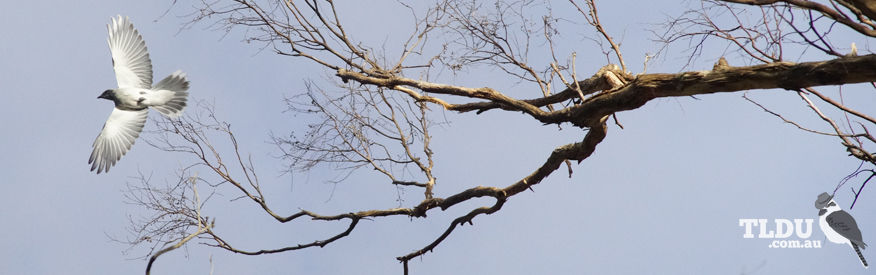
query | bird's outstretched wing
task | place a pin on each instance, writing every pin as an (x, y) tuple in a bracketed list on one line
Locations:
[(118, 134), (845, 225), (130, 57)]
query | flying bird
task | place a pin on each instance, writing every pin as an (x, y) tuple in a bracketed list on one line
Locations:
[(838, 226), (134, 95)]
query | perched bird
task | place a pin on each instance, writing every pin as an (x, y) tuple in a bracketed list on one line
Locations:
[(134, 95), (838, 225)]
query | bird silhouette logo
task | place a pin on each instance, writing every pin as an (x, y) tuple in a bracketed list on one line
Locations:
[(838, 225)]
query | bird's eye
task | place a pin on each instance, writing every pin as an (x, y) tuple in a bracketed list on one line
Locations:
[(831, 204)]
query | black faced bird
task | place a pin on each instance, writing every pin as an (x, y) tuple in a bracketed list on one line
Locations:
[(134, 95)]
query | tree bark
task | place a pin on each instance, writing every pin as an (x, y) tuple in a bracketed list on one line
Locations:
[(786, 75)]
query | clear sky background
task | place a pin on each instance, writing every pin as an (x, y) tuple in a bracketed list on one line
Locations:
[(663, 195)]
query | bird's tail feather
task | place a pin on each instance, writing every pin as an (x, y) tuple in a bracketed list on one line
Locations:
[(174, 87), (861, 256)]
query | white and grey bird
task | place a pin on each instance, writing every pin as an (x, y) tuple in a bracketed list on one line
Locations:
[(134, 95), (838, 225)]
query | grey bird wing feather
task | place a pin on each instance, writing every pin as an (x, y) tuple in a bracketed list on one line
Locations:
[(130, 57), (118, 134), (845, 225)]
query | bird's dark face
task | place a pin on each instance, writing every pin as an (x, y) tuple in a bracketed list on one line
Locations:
[(108, 95)]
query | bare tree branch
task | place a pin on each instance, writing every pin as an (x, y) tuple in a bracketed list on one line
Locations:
[(815, 6), (375, 112), (593, 19), (202, 228)]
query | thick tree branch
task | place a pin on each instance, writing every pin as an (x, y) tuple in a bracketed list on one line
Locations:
[(785, 75)]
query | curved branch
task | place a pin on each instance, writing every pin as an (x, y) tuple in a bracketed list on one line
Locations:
[(321, 243), (175, 246), (811, 5), (577, 151)]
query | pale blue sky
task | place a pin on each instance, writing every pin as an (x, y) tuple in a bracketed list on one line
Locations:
[(663, 195)]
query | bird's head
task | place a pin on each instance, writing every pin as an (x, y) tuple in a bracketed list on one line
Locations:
[(108, 95), (825, 201)]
